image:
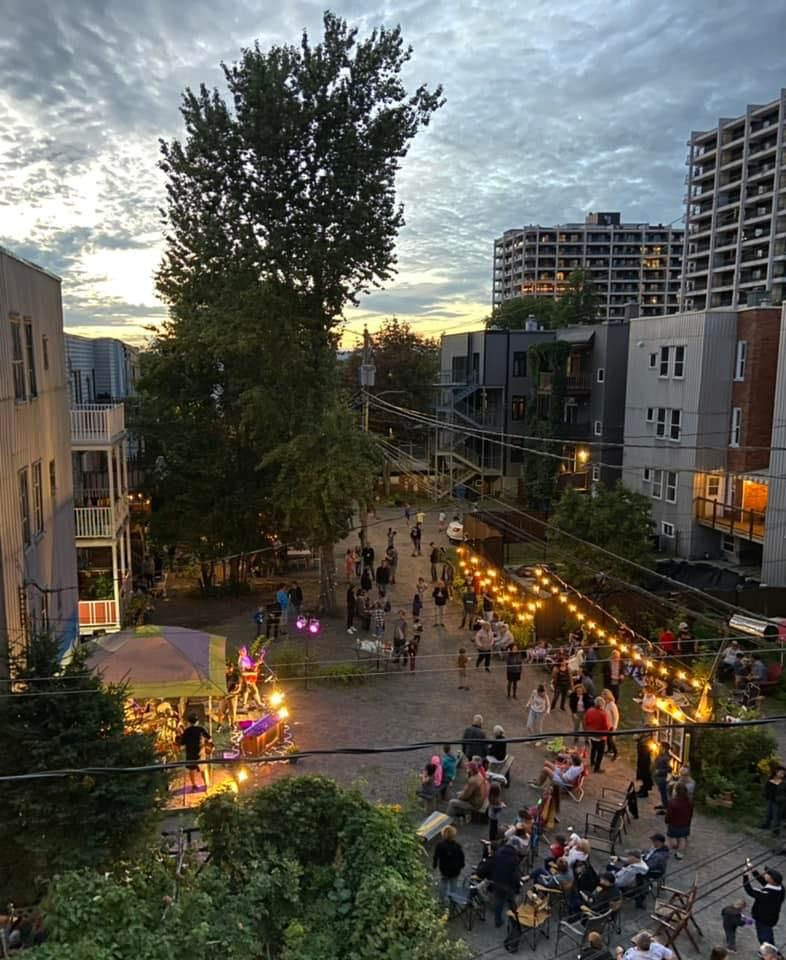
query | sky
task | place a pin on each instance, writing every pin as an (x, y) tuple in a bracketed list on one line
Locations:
[(553, 109)]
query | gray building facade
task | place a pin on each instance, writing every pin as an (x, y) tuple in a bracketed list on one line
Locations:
[(100, 369)]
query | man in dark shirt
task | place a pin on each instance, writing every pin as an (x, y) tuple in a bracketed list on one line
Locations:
[(192, 740)]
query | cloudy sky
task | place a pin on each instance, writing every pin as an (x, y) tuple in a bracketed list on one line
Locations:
[(553, 109)]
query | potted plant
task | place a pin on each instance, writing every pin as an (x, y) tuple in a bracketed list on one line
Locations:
[(719, 790)]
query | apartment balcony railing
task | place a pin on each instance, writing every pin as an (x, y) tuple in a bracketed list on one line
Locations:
[(574, 383), (100, 522), (97, 423), (734, 521), (105, 614)]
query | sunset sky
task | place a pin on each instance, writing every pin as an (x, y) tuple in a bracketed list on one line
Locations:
[(553, 109)]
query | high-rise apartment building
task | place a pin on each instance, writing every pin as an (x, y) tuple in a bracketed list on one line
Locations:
[(736, 211), (38, 574), (638, 263)]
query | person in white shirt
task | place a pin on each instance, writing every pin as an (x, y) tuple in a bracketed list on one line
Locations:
[(628, 870), (566, 777), (645, 947), (613, 711)]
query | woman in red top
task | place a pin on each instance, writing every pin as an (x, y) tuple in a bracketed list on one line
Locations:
[(679, 814), (596, 723), (667, 641)]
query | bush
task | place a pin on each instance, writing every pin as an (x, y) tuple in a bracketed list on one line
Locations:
[(342, 673), (289, 662), (727, 759)]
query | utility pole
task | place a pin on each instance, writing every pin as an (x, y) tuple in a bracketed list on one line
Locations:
[(367, 379)]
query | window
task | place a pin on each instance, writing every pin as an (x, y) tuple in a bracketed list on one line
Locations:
[(679, 362), (667, 529), (38, 499), (739, 363), (518, 408), (596, 473), (671, 486), (18, 362), (674, 425), (570, 412), (653, 361), (657, 484), (45, 352), (24, 506), (597, 428), (713, 487), (650, 414), (663, 368), (727, 544), (52, 481), (600, 376), (520, 363), (736, 427), (660, 428), (646, 475), (30, 350)]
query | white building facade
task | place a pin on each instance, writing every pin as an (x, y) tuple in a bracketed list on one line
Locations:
[(38, 575), (100, 369)]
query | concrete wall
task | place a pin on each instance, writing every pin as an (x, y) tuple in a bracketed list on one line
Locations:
[(36, 429)]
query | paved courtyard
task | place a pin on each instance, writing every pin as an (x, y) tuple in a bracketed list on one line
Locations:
[(396, 707)]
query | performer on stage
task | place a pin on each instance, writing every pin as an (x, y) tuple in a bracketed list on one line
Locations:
[(249, 675)]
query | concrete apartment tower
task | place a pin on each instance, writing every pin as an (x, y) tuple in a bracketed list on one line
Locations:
[(735, 243), (629, 263)]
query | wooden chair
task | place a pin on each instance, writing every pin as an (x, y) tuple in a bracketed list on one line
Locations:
[(530, 920), (674, 916)]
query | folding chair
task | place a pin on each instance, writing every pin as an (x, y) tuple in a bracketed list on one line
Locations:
[(612, 802), (675, 916), (578, 927), (576, 792), (608, 832)]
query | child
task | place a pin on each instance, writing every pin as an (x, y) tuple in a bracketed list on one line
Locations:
[(557, 847), (463, 660), (449, 764), (414, 643), (428, 788), (442, 519), (495, 808), (417, 605), (732, 918)]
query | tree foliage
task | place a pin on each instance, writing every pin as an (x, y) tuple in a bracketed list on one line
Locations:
[(579, 302), (281, 211), (618, 519), (302, 870), (541, 463), (63, 718), (406, 369), (513, 314)]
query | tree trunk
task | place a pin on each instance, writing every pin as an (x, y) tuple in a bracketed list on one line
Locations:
[(327, 579)]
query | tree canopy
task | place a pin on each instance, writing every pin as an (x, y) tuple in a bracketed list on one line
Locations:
[(619, 520), (63, 718), (281, 211), (578, 304), (301, 870)]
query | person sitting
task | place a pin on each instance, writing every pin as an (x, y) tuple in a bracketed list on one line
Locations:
[(498, 748), (578, 850), (472, 797), (758, 670), (628, 869), (596, 948), (557, 878), (566, 777), (645, 947), (522, 827), (474, 740), (657, 857), (605, 894), (428, 787)]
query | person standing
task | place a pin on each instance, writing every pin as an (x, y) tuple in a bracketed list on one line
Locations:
[(418, 534), (414, 643), (383, 579), (391, 537), (259, 620), (296, 597), (449, 859), (513, 670), (679, 814), (484, 643), (392, 558), (420, 518), (661, 775), (442, 519), (732, 918), (579, 703), (461, 663), (539, 706), (433, 558), (400, 637), (468, 602), (447, 573), (282, 598), (596, 724), (365, 580), (775, 798), (379, 620), (560, 676), (195, 740), (767, 901), (611, 708), (643, 764), (351, 607), (367, 555), (615, 673), (440, 596), (349, 565), (407, 513)]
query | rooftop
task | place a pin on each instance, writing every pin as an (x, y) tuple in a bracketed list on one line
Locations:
[(5, 252)]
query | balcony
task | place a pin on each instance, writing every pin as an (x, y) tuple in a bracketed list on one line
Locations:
[(104, 615), (97, 424), (574, 383), (732, 521), (99, 523)]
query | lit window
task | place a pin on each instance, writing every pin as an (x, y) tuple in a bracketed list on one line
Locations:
[(713, 487)]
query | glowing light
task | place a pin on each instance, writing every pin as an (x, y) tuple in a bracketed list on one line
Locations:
[(590, 624), (600, 633), (579, 617), (623, 648), (522, 617), (283, 713), (234, 788), (696, 684), (555, 590), (663, 671), (681, 675), (313, 626), (242, 775), (474, 560), (276, 698), (538, 572), (563, 598), (545, 581), (491, 573), (301, 622), (531, 606), (583, 456), (572, 607), (649, 664), (538, 604)]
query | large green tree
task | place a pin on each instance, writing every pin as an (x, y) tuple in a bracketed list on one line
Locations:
[(62, 718), (406, 364), (281, 211), (579, 302), (513, 314), (619, 520), (302, 870)]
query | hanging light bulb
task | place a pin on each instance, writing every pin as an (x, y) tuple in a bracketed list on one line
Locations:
[(301, 622)]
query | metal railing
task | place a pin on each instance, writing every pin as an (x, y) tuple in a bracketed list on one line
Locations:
[(577, 382), (734, 521), (97, 423), (100, 523)]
